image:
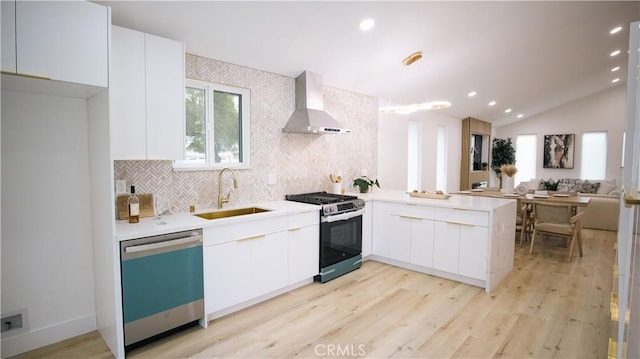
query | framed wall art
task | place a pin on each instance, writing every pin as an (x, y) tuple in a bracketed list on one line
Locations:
[(558, 151)]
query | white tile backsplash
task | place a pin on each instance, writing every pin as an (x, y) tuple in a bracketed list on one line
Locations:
[(301, 162)]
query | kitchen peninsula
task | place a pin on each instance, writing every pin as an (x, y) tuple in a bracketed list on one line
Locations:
[(463, 238)]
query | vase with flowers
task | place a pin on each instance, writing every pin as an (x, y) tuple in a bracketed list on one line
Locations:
[(508, 171)]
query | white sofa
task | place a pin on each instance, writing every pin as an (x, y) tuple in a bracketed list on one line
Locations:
[(604, 208), (602, 212)]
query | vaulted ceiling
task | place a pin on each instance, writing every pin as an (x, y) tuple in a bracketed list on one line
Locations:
[(525, 56)]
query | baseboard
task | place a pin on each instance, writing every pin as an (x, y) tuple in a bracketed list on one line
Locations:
[(254, 301), (40, 337)]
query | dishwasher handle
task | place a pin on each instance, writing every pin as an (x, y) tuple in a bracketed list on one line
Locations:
[(150, 246), (160, 245)]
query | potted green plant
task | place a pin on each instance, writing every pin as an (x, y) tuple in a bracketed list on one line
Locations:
[(364, 183), (485, 166), (503, 153)]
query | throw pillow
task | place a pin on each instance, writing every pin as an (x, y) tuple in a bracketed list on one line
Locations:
[(532, 184), (549, 185), (569, 185), (605, 188), (590, 187)]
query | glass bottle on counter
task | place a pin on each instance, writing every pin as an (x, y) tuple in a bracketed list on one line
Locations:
[(133, 204)]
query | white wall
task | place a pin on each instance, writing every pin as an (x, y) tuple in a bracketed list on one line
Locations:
[(604, 111), (47, 255), (392, 149)]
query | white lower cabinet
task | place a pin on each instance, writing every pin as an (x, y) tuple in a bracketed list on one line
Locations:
[(226, 277), (449, 240), (243, 264), (446, 247), (268, 261), (473, 252), (304, 253), (403, 232), (461, 249), (422, 242), (243, 269), (461, 242)]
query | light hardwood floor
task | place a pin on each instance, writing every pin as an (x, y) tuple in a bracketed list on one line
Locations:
[(545, 308)]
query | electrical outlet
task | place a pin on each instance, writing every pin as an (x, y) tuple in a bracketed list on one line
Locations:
[(12, 322), (121, 187), (272, 178)]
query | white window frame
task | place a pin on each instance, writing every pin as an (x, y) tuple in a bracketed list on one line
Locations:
[(414, 155), (441, 159), (245, 110), (522, 175), (588, 159)]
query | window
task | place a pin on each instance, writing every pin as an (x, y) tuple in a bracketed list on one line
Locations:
[(217, 126), (594, 155), (526, 157), (413, 156), (441, 159)]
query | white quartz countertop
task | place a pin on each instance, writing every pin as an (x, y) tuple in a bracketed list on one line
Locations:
[(459, 201), (187, 221)]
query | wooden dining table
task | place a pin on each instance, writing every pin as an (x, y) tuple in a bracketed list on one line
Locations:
[(530, 198)]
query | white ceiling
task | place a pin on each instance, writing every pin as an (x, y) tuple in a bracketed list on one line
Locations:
[(528, 56)]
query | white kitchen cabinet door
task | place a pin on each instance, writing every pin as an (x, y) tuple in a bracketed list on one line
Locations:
[(165, 98), (8, 35), (367, 219), (391, 232), (473, 251), (446, 243), (227, 275), (304, 253), (147, 96), (422, 233), (63, 40), (268, 262), (126, 93)]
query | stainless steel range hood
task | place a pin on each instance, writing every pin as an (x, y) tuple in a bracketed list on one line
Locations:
[(309, 115)]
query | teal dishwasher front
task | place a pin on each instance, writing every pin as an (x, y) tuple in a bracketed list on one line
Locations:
[(162, 283)]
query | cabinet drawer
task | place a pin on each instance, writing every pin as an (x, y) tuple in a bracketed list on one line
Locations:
[(304, 219), (245, 230), (406, 210), (461, 216)]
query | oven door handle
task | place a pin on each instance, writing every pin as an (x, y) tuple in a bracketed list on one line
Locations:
[(343, 216)]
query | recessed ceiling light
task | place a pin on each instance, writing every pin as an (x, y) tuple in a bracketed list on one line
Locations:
[(492, 103), (520, 116), (367, 24), (615, 69), (615, 53), (472, 93), (615, 80), (507, 110), (412, 58), (615, 30)]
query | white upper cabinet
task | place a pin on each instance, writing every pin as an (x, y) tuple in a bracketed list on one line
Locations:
[(165, 98), (147, 96), (59, 40), (126, 95)]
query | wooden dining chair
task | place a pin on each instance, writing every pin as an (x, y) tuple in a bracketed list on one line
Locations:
[(524, 223), (552, 219)]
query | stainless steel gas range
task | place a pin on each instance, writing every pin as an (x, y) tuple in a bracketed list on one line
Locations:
[(340, 232)]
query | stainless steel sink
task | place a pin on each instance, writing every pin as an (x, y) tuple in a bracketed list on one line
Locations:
[(231, 213)]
